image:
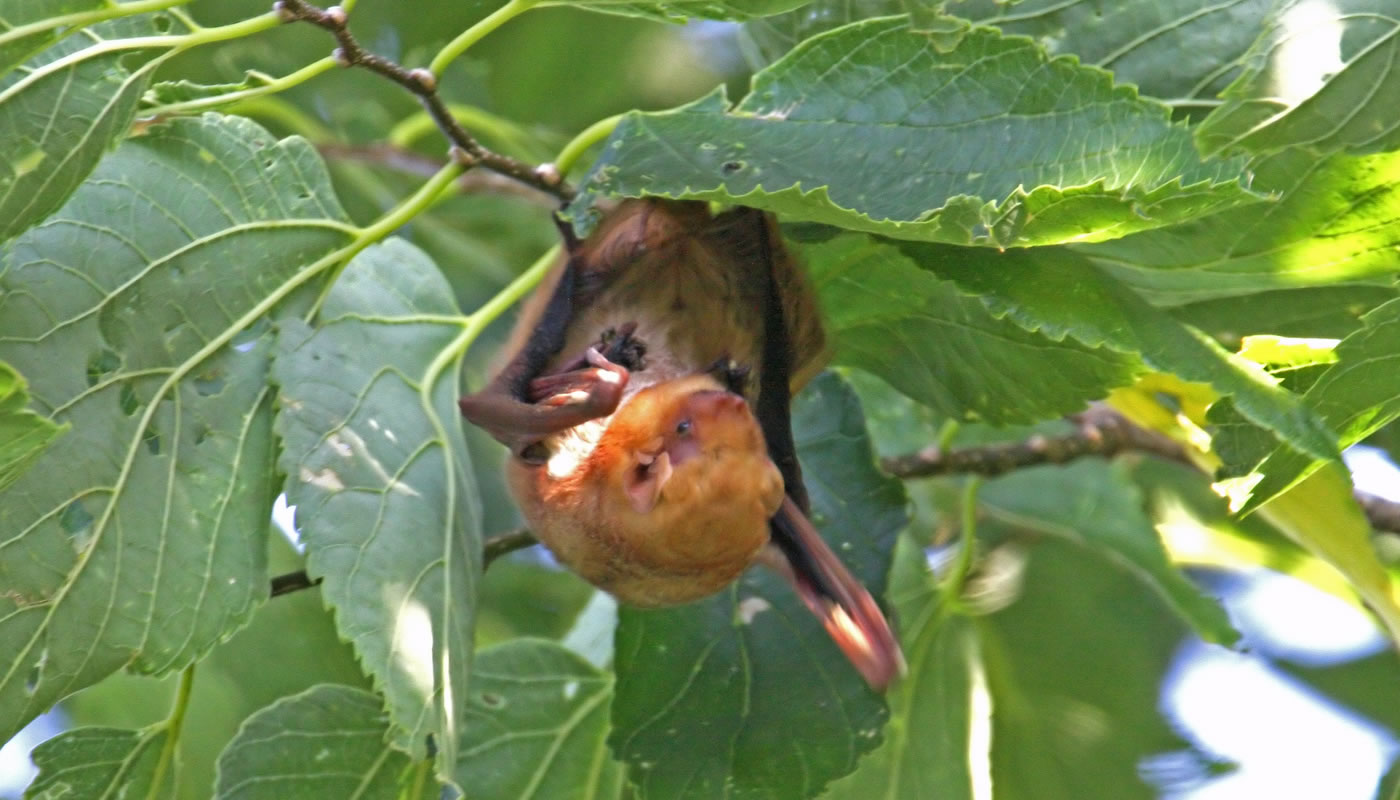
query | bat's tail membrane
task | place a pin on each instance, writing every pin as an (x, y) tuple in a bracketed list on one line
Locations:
[(845, 608)]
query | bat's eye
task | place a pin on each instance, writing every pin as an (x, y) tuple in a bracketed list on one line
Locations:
[(683, 427)]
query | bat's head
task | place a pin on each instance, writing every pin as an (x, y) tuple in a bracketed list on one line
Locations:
[(691, 487)]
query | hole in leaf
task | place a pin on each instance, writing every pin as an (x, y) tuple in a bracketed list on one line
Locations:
[(130, 403), (161, 23), (101, 364), (492, 700), (31, 681), (201, 432), (77, 523), (731, 167), (209, 384), (152, 439)]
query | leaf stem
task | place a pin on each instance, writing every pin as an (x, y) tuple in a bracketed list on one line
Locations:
[(172, 725), (477, 32), (953, 587), (414, 127), (420, 778), (269, 86), (579, 145), (409, 208), (81, 19)]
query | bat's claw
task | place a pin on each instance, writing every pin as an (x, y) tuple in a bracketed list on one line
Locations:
[(592, 392)]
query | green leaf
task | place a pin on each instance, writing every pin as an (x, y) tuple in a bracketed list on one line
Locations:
[(100, 762), (1329, 312), (28, 26), (682, 10), (329, 741), (929, 748), (62, 111), (182, 91), (873, 127), (23, 434), (1356, 396), (1075, 666), (537, 725), (1059, 293), (1337, 220), (1322, 515), (885, 314), (1321, 74), (233, 681), (1094, 504), (377, 468), (1178, 50), (745, 692), (149, 519)]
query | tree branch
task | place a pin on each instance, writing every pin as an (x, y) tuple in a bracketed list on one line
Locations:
[(423, 83), (1102, 432), (492, 549)]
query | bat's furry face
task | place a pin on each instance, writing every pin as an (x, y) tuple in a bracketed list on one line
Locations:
[(674, 500)]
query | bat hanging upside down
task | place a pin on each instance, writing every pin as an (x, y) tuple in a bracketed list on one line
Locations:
[(646, 406)]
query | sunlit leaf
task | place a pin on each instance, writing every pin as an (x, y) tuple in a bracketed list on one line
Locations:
[(149, 518), (878, 128), (1060, 294), (746, 690), (377, 468), (1337, 221), (1321, 74)]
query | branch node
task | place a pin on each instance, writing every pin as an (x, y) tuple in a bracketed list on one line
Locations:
[(548, 173), (336, 16), (425, 79), (284, 13), (341, 57), (461, 157)]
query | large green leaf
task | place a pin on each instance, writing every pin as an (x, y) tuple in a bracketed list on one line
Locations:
[(28, 26), (1337, 220), (1074, 666), (537, 726), (377, 468), (1320, 74), (745, 693), (329, 741), (138, 315), (681, 10), (930, 749), (1326, 312), (23, 434), (101, 762), (1093, 503), (1059, 293), (63, 109), (876, 127), (232, 682), (1356, 396), (945, 349)]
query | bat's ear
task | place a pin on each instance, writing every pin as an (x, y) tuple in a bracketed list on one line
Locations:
[(846, 609), (643, 482)]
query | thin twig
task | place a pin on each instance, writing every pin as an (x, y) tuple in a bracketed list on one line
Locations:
[(492, 549), (412, 163), (1102, 432), (421, 82)]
